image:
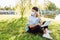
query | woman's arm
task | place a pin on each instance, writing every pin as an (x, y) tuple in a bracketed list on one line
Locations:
[(32, 26), (40, 22)]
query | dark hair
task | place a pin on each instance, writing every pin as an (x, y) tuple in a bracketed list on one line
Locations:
[(35, 8)]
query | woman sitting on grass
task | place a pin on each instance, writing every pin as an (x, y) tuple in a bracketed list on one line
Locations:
[(34, 24)]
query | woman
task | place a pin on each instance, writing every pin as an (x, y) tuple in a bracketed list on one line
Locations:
[(34, 24)]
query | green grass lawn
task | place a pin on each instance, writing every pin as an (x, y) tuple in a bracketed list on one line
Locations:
[(15, 30)]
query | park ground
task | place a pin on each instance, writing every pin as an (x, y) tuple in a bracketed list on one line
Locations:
[(13, 28)]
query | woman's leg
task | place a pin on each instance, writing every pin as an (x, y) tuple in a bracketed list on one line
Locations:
[(45, 29), (46, 34), (36, 29)]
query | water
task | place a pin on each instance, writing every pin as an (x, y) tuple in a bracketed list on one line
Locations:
[(57, 17)]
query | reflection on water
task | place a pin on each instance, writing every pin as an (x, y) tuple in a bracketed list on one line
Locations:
[(57, 17)]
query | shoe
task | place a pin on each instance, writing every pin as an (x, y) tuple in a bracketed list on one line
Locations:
[(47, 36)]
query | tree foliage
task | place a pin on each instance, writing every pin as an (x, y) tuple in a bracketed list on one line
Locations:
[(51, 6)]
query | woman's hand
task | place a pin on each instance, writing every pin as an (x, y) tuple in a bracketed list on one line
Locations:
[(39, 24), (32, 26)]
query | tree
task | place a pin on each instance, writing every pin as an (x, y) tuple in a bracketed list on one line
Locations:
[(48, 5), (6, 8), (51, 6), (19, 8), (22, 7), (1, 8)]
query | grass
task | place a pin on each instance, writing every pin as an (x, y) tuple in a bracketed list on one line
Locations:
[(14, 29)]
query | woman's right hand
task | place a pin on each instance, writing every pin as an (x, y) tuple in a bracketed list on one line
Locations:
[(32, 26)]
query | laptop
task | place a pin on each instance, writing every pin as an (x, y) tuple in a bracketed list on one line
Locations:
[(46, 23)]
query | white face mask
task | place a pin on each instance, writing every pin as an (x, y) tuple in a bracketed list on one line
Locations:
[(32, 14)]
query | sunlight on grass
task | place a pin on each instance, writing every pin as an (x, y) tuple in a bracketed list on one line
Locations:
[(8, 17), (14, 29)]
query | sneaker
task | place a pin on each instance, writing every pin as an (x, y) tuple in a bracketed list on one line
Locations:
[(47, 36)]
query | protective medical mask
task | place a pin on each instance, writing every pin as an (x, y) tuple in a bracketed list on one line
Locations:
[(32, 13)]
